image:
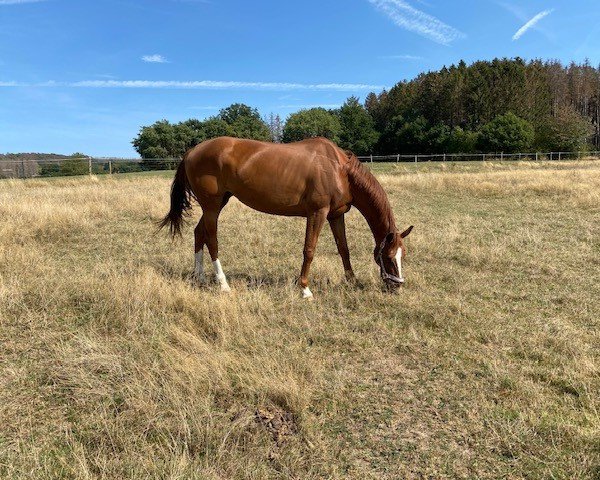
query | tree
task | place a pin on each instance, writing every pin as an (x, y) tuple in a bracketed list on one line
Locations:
[(236, 111), (438, 138), (74, 165), (506, 133), (462, 141), (358, 129), (245, 122), (191, 132), (275, 127), (415, 136), (215, 127), (567, 131), (159, 140), (163, 140), (372, 103), (314, 122), (166, 140)]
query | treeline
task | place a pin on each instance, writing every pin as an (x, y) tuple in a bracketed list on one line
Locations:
[(33, 156), (504, 105)]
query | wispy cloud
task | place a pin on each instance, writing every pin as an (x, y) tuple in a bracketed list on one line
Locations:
[(401, 57), (18, 2), (154, 59), (408, 17), (520, 14), (106, 75), (200, 84), (316, 105), (531, 23)]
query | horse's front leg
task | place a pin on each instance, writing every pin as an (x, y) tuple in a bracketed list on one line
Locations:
[(338, 228), (314, 223)]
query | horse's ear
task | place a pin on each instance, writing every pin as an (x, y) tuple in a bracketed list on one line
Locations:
[(406, 232)]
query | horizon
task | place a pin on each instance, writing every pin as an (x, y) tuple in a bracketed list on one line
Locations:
[(87, 77)]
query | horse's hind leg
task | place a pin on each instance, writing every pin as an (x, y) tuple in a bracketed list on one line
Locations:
[(338, 228), (314, 223), (199, 242), (210, 220)]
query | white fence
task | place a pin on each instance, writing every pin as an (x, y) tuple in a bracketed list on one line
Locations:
[(469, 157), (67, 166)]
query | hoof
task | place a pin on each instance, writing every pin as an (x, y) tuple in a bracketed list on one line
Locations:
[(307, 294), (225, 289)]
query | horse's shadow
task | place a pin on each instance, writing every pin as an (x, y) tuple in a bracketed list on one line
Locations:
[(257, 281)]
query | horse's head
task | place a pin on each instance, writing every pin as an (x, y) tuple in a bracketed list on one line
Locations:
[(389, 255)]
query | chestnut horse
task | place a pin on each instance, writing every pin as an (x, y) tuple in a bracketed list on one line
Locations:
[(313, 178)]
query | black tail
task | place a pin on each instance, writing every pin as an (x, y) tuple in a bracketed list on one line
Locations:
[(181, 196)]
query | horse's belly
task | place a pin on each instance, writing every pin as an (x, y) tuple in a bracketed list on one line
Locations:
[(273, 204)]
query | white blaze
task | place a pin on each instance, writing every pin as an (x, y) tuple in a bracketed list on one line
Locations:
[(221, 276), (399, 262)]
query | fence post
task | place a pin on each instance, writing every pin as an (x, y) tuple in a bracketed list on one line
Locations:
[(416, 158), (90, 165), (501, 156), (398, 159), (559, 156), (371, 158), (444, 157), (110, 166), (536, 156)]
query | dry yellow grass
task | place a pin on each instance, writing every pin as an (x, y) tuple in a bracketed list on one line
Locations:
[(112, 365)]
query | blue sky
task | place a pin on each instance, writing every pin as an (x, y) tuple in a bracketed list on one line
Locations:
[(83, 75)]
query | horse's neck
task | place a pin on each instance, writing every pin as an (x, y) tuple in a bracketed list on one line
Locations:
[(371, 200)]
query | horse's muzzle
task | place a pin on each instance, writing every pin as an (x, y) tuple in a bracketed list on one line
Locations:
[(394, 285)]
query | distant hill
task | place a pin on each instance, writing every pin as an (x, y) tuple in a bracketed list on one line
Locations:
[(36, 156)]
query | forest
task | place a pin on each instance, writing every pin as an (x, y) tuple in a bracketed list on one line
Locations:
[(503, 105)]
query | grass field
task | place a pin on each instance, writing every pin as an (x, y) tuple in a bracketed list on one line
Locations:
[(486, 365)]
